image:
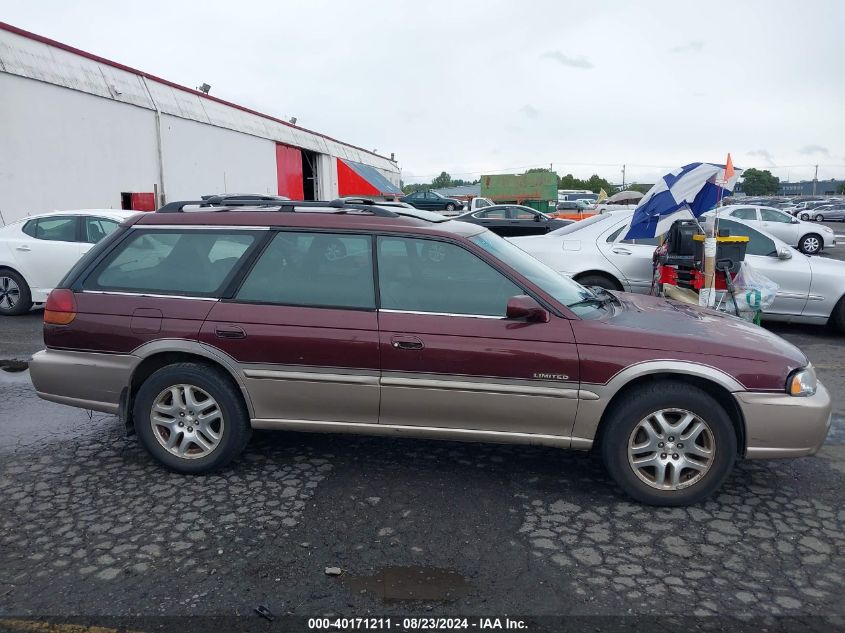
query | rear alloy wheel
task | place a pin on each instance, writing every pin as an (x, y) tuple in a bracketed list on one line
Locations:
[(810, 244), (819, 218), (191, 418), (15, 297), (668, 444)]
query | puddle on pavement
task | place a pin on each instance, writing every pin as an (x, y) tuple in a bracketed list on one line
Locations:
[(14, 366), (400, 584)]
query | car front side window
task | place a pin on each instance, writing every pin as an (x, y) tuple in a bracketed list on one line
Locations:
[(758, 244), (770, 215), (58, 229), (417, 275)]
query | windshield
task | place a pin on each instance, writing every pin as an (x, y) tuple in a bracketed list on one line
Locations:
[(562, 288)]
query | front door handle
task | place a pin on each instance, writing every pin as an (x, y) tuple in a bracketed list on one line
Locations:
[(406, 342), (231, 331), (23, 248), (621, 251)]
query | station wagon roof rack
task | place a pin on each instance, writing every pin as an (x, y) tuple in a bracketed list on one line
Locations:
[(274, 203)]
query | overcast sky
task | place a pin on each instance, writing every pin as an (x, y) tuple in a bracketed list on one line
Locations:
[(489, 86)]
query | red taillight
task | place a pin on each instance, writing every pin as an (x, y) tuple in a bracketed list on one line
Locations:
[(60, 308)]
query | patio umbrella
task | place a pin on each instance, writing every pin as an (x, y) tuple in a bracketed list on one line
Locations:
[(685, 192), (624, 197)]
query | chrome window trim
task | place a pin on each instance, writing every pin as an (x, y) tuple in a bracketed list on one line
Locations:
[(449, 314), (202, 227), (147, 294)]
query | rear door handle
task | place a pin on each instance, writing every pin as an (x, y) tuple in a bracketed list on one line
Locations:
[(621, 251), (406, 342), (231, 331), (23, 248)]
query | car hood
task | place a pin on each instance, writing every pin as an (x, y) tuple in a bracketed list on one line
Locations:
[(662, 324)]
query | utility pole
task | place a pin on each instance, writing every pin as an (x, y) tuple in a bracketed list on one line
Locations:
[(815, 179), (623, 177)]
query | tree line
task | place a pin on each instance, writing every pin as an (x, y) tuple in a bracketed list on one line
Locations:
[(594, 183)]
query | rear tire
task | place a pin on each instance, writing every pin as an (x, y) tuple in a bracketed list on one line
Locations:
[(689, 473), (819, 218), (191, 418), (810, 244), (15, 296), (602, 281)]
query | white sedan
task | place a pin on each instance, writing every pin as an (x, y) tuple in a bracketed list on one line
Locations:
[(806, 237), (37, 251), (811, 289)]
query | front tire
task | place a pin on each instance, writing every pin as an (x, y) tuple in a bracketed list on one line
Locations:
[(191, 418), (450, 207), (602, 281), (805, 216), (810, 244), (668, 444), (15, 296)]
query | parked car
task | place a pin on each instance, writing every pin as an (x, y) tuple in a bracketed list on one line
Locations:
[(37, 251), (477, 203), (511, 220), (812, 289), (432, 201), (808, 238), (424, 328), (827, 212)]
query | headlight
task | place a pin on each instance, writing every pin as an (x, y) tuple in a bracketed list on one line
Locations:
[(802, 382)]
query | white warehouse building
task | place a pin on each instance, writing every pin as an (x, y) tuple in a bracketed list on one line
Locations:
[(79, 131)]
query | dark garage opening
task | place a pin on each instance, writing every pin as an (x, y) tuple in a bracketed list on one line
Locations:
[(309, 175)]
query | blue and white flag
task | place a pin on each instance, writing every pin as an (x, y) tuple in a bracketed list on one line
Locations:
[(685, 192)]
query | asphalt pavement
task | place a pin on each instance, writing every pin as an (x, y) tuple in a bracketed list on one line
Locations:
[(90, 526)]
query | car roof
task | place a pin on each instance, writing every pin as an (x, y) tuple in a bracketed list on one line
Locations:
[(400, 220), (115, 214)]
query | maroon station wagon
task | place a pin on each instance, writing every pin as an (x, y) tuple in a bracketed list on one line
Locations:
[(197, 326)]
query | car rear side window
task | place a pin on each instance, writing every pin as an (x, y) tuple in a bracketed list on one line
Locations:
[(431, 276), (57, 229), (313, 269), (180, 262)]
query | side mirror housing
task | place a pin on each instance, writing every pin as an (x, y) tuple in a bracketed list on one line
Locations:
[(525, 307), (784, 252)]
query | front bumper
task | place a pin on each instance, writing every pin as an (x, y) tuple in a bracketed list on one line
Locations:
[(780, 425), (88, 380)]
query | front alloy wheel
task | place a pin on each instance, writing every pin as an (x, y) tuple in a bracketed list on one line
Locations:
[(671, 449), (811, 244)]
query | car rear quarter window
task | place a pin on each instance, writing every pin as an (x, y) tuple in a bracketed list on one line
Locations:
[(431, 276), (182, 262), (313, 269)]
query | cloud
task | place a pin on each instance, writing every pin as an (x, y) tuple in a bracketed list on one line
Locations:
[(530, 111), (565, 60), (814, 149), (694, 46), (764, 154)]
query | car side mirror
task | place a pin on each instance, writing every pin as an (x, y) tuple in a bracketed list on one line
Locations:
[(796, 221), (784, 252), (538, 218), (525, 307)]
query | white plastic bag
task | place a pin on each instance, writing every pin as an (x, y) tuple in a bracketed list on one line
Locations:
[(753, 291)]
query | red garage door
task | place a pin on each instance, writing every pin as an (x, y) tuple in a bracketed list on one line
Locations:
[(289, 171)]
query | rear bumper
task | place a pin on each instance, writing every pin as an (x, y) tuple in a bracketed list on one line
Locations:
[(780, 425), (82, 379)]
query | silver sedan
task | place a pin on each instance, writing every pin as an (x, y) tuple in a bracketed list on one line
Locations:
[(812, 289)]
